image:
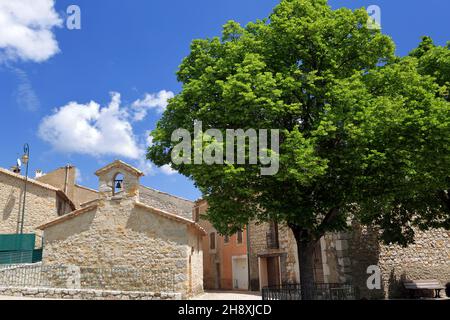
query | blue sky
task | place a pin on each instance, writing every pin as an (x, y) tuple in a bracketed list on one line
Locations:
[(133, 48)]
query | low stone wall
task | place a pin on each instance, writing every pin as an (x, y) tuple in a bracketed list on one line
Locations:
[(74, 277), (86, 294), (350, 254)]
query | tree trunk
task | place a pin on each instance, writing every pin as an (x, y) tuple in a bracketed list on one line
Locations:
[(305, 250)]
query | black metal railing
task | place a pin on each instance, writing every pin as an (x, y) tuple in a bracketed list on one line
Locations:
[(320, 291)]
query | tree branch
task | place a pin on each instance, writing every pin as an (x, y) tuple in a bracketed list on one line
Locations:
[(329, 217)]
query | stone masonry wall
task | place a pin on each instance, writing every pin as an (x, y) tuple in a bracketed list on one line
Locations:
[(74, 277), (109, 237), (83, 195), (40, 204), (117, 233), (427, 258), (57, 178), (336, 259), (86, 294)]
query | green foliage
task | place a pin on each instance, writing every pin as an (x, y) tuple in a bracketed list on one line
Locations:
[(434, 61), (364, 134)]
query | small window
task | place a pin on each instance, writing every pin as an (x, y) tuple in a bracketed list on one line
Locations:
[(118, 184), (197, 214), (272, 236), (60, 208), (239, 237), (212, 241), (226, 239)]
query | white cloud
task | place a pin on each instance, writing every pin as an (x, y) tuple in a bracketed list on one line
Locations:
[(91, 129), (167, 170), (145, 166), (78, 176), (157, 101), (26, 30), (148, 138), (25, 95), (99, 131)]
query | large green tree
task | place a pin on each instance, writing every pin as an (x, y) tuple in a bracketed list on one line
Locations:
[(364, 134)]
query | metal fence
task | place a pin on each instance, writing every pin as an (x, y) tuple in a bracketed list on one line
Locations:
[(20, 248), (74, 277), (320, 291), (20, 257)]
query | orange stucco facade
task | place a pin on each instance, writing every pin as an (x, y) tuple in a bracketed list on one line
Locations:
[(225, 259)]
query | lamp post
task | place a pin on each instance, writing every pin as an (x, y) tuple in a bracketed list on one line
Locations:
[(25, 160)]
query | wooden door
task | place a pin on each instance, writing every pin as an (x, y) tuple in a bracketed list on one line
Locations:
[(273, 271)]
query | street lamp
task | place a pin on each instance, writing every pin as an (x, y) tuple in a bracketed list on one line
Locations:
[(25, 160)]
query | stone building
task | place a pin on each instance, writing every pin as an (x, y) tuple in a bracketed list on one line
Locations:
[(64, 178), (225, 259), (133, 227), (44, 202), (345, 257), (273, 255), (339, 258), (119, 230)]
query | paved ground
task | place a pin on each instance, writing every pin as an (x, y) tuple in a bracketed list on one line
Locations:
[(228, 295), (20, 298), (210, 295)]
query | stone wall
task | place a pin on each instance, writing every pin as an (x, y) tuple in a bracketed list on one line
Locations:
[(116, 233), (336, 257), (86, 294), (62, 179), (427, 258), (352, 253), (75, 277), (41, 204), (83, 195)]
